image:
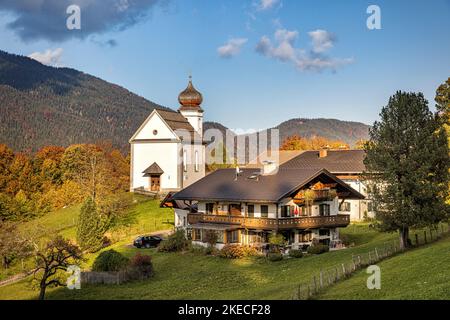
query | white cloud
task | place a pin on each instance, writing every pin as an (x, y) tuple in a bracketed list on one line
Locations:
[(266, 4), (49, 57), (283, 49), (321, 40), (231, 48)]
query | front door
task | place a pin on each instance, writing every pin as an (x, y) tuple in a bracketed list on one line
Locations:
[(154, 183)]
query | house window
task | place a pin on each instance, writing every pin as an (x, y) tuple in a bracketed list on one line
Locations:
[(233, 236), (209, 208), (196, 234), (345, 207), (185, 160), (197, 166), (250, 210), (324, 209), (234, 209), (264, 211), (285, 211)]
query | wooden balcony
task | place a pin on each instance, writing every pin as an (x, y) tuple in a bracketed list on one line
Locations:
[(341, 220)]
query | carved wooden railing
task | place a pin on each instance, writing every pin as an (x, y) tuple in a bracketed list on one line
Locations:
[(340, 220)]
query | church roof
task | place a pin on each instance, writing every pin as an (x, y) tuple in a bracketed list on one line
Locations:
[(154, 169), (175, 120)]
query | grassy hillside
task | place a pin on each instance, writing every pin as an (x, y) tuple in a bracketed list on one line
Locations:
[(144, 216), (422, 273), (191, 276)]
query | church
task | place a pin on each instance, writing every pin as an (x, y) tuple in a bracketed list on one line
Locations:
[(167, 150)]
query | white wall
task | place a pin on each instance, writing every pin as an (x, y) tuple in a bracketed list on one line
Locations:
[(181, 218), (165, 154), (195, 118), (155, 122)]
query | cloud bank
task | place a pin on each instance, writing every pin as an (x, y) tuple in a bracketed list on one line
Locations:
[(283, 48), (46, 19), (231, 48), (49, 57)]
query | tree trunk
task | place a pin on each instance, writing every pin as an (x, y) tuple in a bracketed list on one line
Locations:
[(404, 236), (42, 293), (42, 287)]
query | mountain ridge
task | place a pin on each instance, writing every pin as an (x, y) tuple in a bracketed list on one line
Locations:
[(42, 105)]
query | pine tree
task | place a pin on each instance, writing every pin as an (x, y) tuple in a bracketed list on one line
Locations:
[(90, 228), (407, 163)]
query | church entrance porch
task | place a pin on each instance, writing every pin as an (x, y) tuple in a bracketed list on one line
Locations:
[(155, 183)]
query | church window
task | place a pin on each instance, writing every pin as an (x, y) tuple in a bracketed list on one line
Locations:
[(197, 166), (185, 160)]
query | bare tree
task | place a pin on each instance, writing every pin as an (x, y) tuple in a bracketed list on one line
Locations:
[(57, 256)]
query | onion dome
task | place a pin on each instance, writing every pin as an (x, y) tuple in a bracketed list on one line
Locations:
[(190, 98)]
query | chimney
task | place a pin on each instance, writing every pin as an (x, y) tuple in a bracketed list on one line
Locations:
[(323, 153), (269, 167)]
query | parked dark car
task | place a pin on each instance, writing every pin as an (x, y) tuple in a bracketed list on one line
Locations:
[(147, 241)]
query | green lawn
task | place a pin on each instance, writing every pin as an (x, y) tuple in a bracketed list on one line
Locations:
[(422, 273), (190, 276), (144, 216)]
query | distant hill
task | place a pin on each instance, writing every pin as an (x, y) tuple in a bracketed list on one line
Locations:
[(347, 131), (333, 129), (42, 105)]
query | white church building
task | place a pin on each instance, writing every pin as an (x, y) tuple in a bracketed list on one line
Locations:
[(167, 151)]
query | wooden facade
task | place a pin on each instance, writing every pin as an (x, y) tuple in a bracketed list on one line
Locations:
[(341, 220)]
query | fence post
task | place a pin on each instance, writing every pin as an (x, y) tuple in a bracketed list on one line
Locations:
[(315, 284), (425, 235), (359, 261), (344, 273), (337, 274), (376, 254), (321, 279)]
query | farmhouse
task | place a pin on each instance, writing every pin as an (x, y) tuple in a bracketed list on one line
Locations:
[(167, 150), (300, 203), (348, 165)]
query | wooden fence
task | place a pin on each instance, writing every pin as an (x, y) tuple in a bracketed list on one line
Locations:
[(330, 276), (92, 277)]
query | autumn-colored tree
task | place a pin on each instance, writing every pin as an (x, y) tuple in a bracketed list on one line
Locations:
[(296, 142), (6, 158)]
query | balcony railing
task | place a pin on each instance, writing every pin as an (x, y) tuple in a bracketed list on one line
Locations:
[(340, 220)]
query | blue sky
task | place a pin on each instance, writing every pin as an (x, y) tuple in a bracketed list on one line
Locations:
[(348, 73)]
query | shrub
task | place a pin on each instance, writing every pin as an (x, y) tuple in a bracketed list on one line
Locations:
[(211, 237), (176, 242), (318, 249), (295, 253), (236, 251), (275, 256), (110, 260), (140, 267)]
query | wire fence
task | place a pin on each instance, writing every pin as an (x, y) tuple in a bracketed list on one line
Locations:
[(329, 276)]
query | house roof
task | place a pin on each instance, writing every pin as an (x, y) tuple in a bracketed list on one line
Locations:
[(222, 185), (336, 161), (282, 157), (154, 169)]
